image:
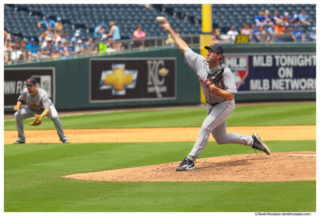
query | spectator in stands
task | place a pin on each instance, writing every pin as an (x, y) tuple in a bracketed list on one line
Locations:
[(260, 19), (49, 32), (276, 17), (47, 47), (67, 49), (32, 47), (90, 46), (169, 40), (119, 46), (42, 38), (285, 18), (6, 48), (23, 49), (18, 44), (75, 38), (256, 34), (58, 26), (286, 33), (15, 53), (97, 31), (245, 30), (47, 22), (63, 38), (232, 34), (103, 44), (56, 49), (79, 47), (297, 34), (303, 17), (139, 36), (294, 19), (114, 33), (268, 17), (312, 35), (278, 28)]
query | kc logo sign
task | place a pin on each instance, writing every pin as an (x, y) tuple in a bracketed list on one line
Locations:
[(239, 67), (156, 77), (118, 79)]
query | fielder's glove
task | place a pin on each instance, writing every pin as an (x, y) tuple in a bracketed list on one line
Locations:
[(214, 75), (36, 122)]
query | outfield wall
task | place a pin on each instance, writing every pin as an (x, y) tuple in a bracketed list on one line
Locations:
[(159, 77)]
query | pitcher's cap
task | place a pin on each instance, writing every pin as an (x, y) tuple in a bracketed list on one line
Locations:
[(216, 47)]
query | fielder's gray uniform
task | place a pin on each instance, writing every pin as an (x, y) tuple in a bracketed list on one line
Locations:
[(36, 105), (218, 109)]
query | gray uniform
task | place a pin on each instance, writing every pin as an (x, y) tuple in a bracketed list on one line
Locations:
[(218, 109), (36, 105)]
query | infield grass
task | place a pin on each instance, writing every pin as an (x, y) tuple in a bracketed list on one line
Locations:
[(264, 115), (33, 181)]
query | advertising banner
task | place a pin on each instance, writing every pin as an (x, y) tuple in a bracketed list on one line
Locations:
[(273, 73), (132, 79), (15, 79)]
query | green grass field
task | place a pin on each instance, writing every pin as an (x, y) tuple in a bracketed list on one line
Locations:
[(33, 182)]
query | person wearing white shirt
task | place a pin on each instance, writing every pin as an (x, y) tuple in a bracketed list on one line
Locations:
[(232, 33)]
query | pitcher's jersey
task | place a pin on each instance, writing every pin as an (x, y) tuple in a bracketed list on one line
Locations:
[(40, 102), (198, 64)]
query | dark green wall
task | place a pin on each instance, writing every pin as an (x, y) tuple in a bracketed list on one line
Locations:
[(72, 78)]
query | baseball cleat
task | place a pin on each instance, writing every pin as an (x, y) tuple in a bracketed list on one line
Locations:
[(18, 142), (186, 165), (258, 144), (65, 141)]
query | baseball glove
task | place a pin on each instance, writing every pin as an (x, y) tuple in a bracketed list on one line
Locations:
[(36, 122), (214, 75)]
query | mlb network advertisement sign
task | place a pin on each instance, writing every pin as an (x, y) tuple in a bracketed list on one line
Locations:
[(15, 82), (273, 73), (132, 79)]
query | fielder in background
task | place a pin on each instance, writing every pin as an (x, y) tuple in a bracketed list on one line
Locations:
[(219, 98), (39, 105)]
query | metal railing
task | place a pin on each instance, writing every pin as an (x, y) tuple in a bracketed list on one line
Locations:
[(96, 49)]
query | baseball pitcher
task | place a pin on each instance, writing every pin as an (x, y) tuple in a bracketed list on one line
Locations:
[(218, 87), (38, 105)]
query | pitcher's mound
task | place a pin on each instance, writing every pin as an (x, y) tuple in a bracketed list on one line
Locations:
[(283, 166)]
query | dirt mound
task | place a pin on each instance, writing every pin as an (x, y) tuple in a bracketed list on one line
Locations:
[(284, 166)]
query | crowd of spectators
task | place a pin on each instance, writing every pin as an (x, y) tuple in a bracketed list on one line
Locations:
[(53, 42), (271, 28)]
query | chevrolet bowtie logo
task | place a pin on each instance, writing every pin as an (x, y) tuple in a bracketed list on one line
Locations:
[(118, 79), (163, 71)]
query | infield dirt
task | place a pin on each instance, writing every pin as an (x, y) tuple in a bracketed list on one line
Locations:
[(267, 133)]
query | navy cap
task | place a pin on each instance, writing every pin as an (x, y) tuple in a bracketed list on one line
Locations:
[(31, 39), (216, 47), (31, 81), (47, 16)]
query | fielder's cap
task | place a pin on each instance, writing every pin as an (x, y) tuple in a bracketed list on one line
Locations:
[(58, 19), (31, 81), (313, 28), (31, 39), (47, 16), (216, 47), (102, 23)]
